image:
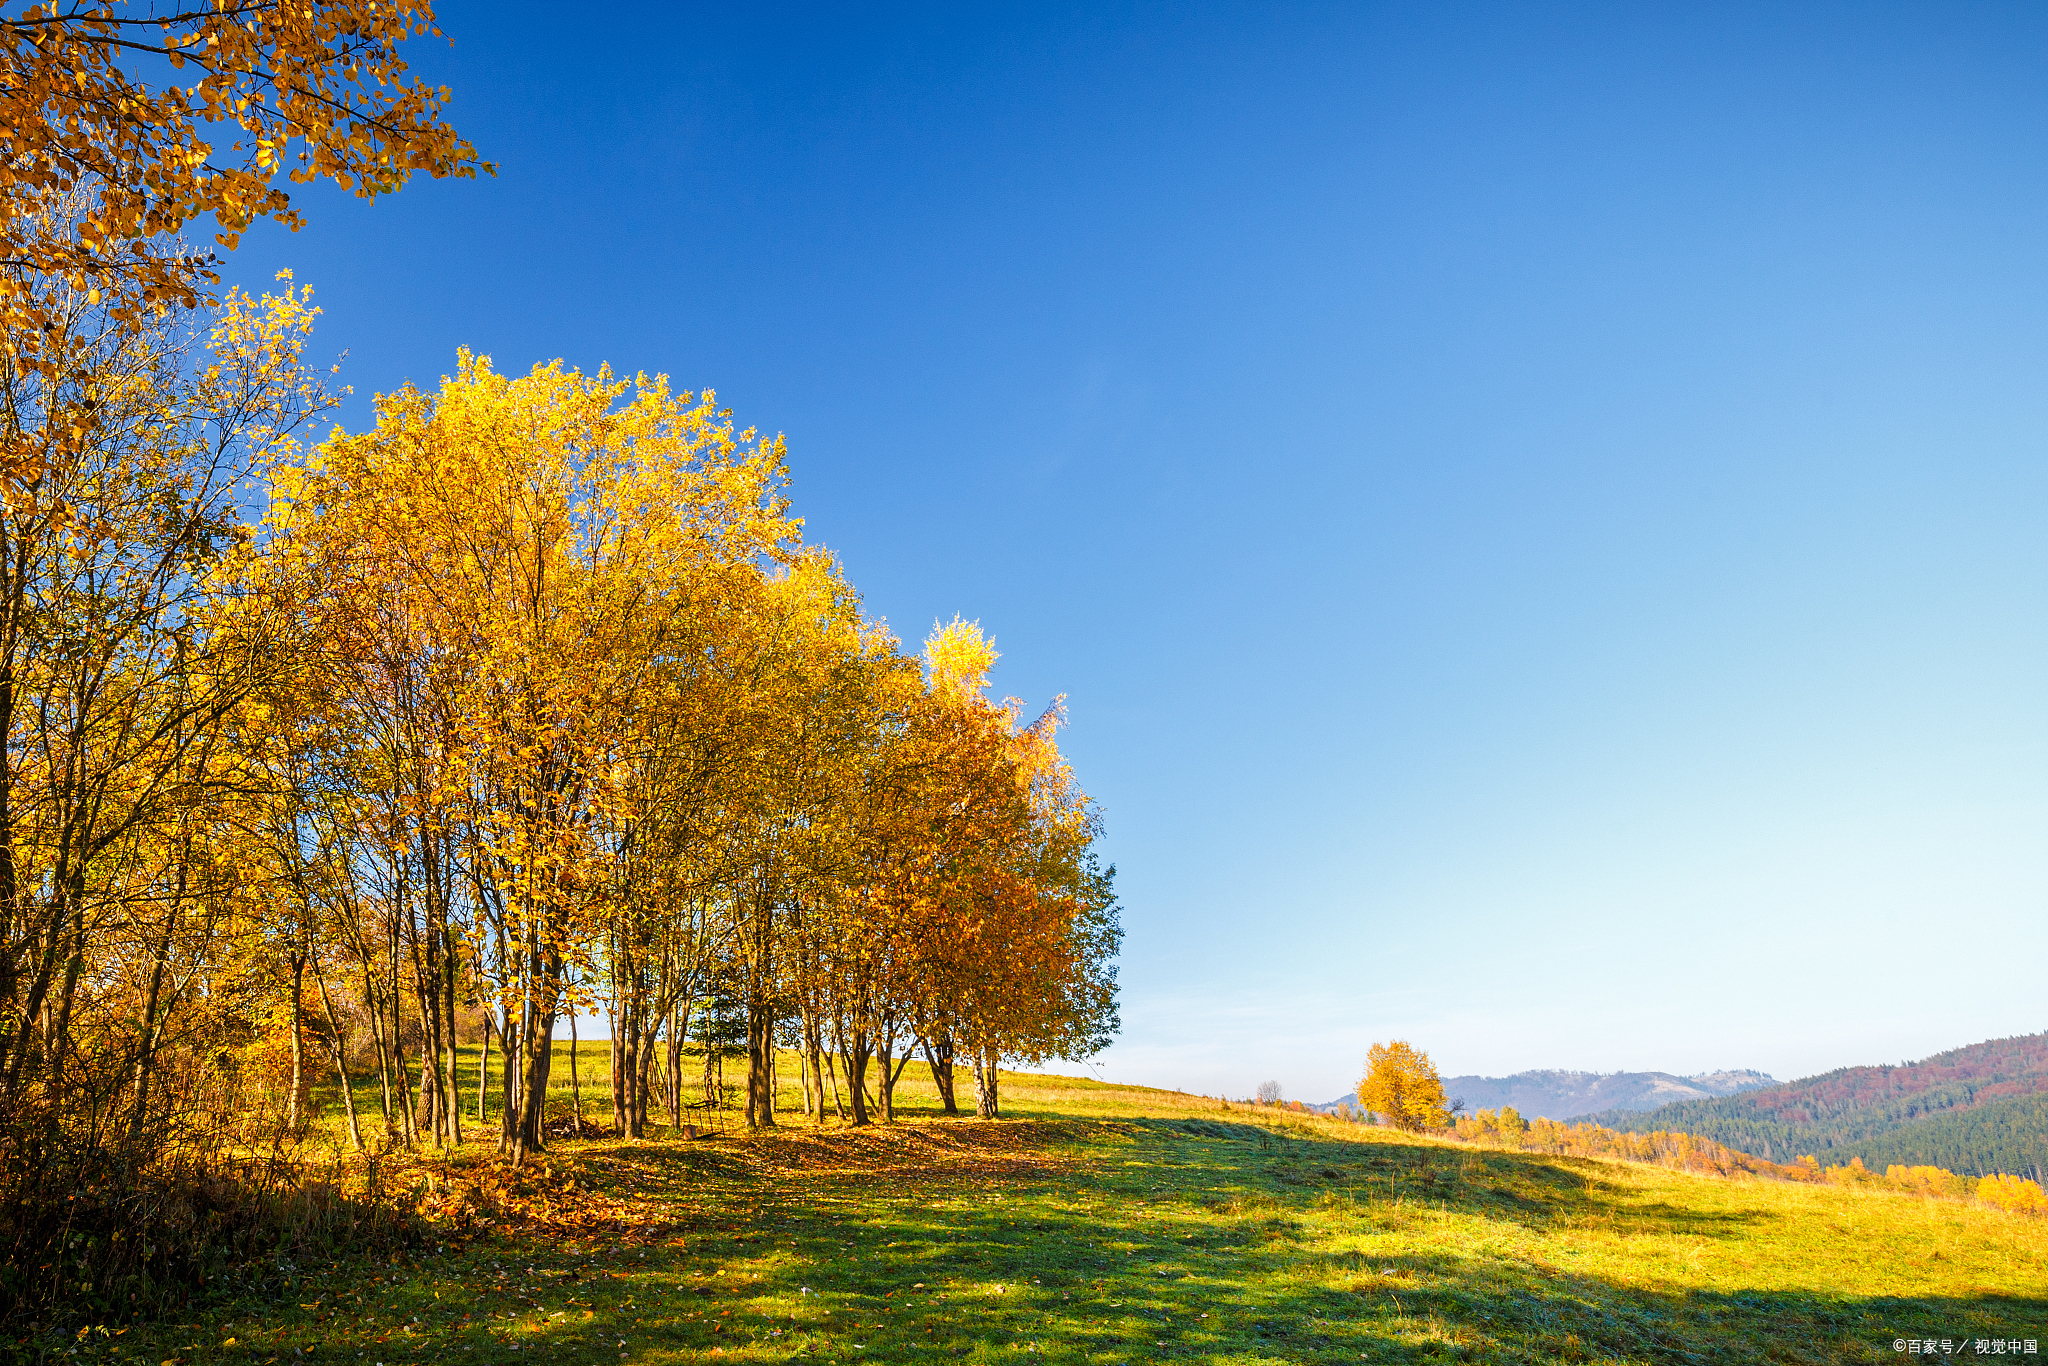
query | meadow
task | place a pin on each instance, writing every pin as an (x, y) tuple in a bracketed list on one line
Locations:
[(1109, 1224)]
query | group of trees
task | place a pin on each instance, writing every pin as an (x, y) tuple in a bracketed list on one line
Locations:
[(529, 700), (1691, 1152), (1505, 1124)]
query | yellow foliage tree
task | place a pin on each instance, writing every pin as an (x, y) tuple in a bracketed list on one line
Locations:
[(1401, 1084), (124, 122), (1512, 1125), (2013, 1194)]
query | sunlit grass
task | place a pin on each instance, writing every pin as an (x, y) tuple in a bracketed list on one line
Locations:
[(1107, 1224)]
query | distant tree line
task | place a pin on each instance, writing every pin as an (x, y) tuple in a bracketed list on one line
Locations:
[(2004, 1136), (1689, 1152)]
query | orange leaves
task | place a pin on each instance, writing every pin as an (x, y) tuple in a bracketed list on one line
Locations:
[(99, 159)]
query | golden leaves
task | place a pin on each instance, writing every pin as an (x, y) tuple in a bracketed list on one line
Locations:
[(100, 164)]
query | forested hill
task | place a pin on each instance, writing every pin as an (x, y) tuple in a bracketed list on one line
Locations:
[(2008, 1136), (1980, 1108), (1562, 1095), (1553, 1094)]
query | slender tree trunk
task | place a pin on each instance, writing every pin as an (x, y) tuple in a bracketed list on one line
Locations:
[(985, 1100), (445, 1001), (832, 1074), (643, 1084), (376, 1010), (815, 1049), (939, 1053), (575, 1081), (761, 1013), (632, 1087), (679, 1017), (454, 1063), (618, 1051), (145, 1057), (292, 1115), (426, 1113), (889, 1099), (856, 1076), (348, 1090), (885, 1084), (513, 1037), (483, 1071), (402, 1084), (74, 967)]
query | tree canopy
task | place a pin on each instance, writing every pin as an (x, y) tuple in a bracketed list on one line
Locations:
[(1401, 1085)]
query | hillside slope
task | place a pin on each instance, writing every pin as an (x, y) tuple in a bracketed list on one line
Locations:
[(1103, 1223), (1966, 1104)]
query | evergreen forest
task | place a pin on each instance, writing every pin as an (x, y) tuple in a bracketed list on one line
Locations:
[(1975, 1110)]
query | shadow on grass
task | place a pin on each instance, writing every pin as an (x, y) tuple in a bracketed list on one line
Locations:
[(1106, 1242), (1189, 1239)]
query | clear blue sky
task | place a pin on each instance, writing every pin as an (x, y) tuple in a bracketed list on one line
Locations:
[(1538, 510)]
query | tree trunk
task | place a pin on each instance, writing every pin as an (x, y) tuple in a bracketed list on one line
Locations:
[(643, 1089), (145, 1057), (376, 1010), (618, 1071), (575, 1081), (292, 1115), (939, 1054), (885, 1085), (513, 1036), (348, 1090), (760, 1066), (856, 1077), (679, 1020), (813, 1048), (629, 1073), (761, 1014), (483, 1070), (832, 1073), (889, 1079), (985, 1100)]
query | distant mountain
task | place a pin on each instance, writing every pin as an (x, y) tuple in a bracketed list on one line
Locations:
[(1565, 1095), (1974, 1110)]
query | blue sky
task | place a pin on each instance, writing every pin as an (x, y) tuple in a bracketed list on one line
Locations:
[(1538, 511)]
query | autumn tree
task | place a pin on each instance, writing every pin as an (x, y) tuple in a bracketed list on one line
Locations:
[(1030, 929), (1511, 1125), (122, 123), (121, 650), (1401, 1084), (507, 564)]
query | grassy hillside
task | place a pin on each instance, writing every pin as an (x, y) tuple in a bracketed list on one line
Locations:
[(1867, 1110), (1109, 1225)]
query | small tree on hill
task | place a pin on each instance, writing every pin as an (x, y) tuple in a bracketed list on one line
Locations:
[(1269, 1093), (1401, 1084), (1511, 1125)]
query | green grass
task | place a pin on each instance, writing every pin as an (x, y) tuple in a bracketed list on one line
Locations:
[(1109, 1225)]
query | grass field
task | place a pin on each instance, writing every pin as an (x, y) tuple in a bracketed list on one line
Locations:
[(1108, 1225)]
